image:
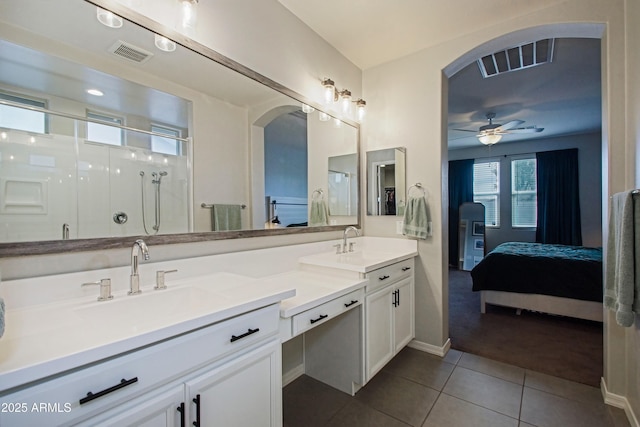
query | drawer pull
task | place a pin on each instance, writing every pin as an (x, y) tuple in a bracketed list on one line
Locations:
[(351, 303), (196, 400), (322, 316), (182, 414), (246, 334), (406, 268), (123, 383), (383, 277)]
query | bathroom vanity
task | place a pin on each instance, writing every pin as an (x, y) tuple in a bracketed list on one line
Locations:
[(208, 349)]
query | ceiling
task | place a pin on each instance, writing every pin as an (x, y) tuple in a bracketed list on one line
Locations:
[(563, 97)]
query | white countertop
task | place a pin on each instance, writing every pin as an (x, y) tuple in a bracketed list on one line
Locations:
[(361, 261), (48, 339)]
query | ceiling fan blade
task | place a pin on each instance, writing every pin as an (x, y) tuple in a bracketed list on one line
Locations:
[(509, 125), (465, 130), (530, 129)]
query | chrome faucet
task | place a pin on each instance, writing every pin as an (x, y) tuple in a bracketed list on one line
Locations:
[(346, 249), (134, 280)]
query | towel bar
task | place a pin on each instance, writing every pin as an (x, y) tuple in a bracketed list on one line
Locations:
[(209, 206)]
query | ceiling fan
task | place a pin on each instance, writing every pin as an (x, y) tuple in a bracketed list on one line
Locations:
[(492, 133)]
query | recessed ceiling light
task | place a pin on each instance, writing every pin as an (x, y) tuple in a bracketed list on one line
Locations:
[(109, 19), (95, 92), (164, 43)]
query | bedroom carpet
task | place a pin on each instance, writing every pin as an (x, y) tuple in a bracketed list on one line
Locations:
[(555, 345)]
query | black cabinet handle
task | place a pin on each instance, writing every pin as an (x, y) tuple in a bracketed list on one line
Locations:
[(123, 383), (406, 268), (182, 414), (351, 303), (398, 297), (322, 316), (246, 334), (383, 278), (196, 400)]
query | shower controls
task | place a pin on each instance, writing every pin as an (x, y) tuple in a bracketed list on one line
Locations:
[(120, 217)]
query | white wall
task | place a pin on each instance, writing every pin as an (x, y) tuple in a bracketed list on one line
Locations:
[(590, 185), (407, 98)]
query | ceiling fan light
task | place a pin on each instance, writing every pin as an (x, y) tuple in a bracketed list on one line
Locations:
[(490, 139)]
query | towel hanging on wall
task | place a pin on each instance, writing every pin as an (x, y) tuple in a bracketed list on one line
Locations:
[(622, 284), (416, 216), (318, 214), (226, 217)]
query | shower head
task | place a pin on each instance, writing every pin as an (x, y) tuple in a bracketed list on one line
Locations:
[(163, 173), (141, 173)]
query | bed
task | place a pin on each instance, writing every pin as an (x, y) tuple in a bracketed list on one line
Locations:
[(554, 279)]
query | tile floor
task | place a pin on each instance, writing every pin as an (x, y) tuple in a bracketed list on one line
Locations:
[(419, 389)]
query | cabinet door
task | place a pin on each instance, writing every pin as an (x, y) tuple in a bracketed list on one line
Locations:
[(404, 329), (379, 330), (150, 410), (244, 391)]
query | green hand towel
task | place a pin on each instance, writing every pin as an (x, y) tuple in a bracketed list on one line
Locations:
[(318, 213), (226, 217), (415, 218)]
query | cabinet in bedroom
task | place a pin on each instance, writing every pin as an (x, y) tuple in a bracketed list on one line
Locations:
[(389, 314)]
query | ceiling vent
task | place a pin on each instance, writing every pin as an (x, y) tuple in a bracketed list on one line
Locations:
[(130, 52), (526, 55)]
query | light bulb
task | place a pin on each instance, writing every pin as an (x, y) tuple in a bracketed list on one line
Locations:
[(307, 109), (108, 18), (345, 99), (324, 116), (490, 139), (329, 91), (164, 44), (189, 16), (361, 107)]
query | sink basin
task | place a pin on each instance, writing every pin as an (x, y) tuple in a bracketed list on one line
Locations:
[(151, 306)]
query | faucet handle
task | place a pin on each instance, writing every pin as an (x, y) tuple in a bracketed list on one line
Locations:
[(160, 278), (351, 246), (338, 247), (105, 289)]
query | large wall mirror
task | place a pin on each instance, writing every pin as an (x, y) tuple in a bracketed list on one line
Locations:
[(386, 181), (104, 135)]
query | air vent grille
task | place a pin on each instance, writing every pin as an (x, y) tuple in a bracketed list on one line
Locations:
[(526, 55), (130, 52)]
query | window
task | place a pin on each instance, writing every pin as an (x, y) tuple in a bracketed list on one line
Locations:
[(168, 145), (105, 134), (486, 189), (524, 199), (20, 118)]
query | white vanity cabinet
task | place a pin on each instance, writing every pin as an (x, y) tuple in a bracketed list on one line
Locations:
[(389, 313), (232, 367)]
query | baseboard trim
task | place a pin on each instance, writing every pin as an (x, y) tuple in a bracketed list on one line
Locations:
[(619, 402), (292, 375), (430, 348)]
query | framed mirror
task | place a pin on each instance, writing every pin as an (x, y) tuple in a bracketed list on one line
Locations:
[(386, 182), (178, 147), (471, 233)]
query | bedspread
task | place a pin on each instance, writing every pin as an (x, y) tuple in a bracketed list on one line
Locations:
[(535, 268)]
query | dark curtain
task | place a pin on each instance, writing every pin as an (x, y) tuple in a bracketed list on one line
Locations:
[(558, 198), (460, 191)]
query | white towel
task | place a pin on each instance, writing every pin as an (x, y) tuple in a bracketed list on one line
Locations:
[(622, 285)]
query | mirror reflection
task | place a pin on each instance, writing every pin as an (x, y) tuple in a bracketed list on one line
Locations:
[(471, 233), (386, 188), (95, 142)]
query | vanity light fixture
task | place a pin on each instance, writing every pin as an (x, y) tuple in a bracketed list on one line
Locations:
[(188, 16), (490, 139), (95, 92), (361, 108), (330, 94), (307, 109), (108, 18), (345, 100), (164, 44)]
